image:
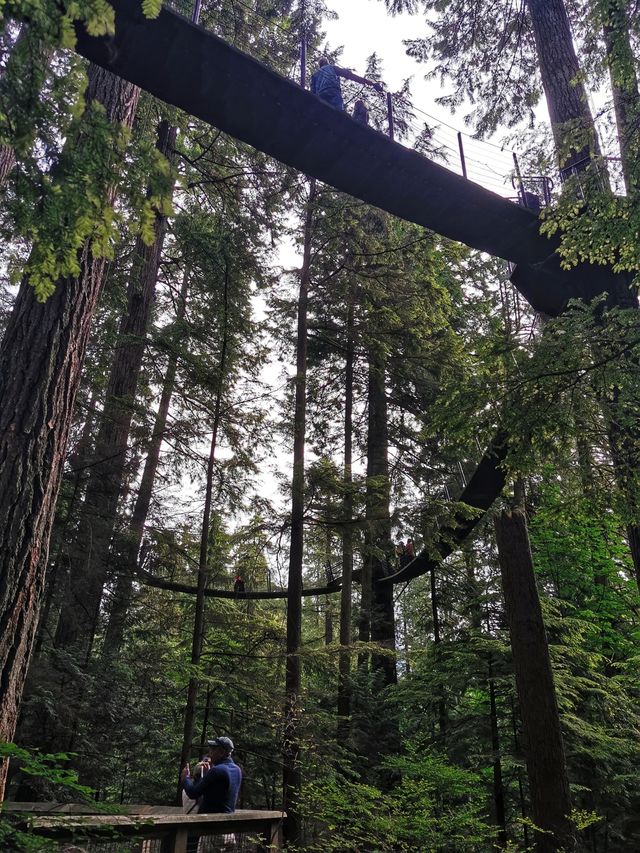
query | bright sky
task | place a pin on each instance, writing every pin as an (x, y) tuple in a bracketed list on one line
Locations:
[(365, 27)]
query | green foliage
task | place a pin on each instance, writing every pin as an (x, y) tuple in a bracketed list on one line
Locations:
[(603, 233), (53, 770), (435, 806)]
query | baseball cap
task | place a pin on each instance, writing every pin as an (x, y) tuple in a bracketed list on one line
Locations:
[(224, 742)]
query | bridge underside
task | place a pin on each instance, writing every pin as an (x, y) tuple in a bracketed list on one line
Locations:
[(190, 68)]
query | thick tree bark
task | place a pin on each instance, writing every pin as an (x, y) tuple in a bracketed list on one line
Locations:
[(560, 72), (291, 776), (91, 554), (521, 797), (7, 162), (129, 547), (203, 566), (544, 749), (344, 664), (41, 358)]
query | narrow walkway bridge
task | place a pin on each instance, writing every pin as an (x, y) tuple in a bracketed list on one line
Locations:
[(483, 488), (192, 69)]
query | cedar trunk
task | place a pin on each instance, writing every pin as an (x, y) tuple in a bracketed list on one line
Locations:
[(560, 72), (544, 749), (41, 359), (90, 556)]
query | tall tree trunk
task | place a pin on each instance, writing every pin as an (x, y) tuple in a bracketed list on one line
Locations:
[(435, 615), (498, 787), (344, 664), (378, 520), (624, 87), (568, 103), (78, 462), (560, 72), (90, 556), (129, 547), (521, 797), (203, 567), (292, 776), (41, 359), (544, 749)]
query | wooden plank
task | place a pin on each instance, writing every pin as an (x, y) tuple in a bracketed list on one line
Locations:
[(89, 808), (218, 821)]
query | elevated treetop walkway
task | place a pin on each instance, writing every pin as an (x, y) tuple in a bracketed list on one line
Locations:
[(194, 70), (190, 68)]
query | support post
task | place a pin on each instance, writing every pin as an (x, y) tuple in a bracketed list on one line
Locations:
[(272, 837), (195, 15), (303, 61), (463, 162), (390, 116), (523, 198), (178, 844)]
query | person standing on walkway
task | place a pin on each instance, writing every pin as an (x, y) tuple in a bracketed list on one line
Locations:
[(220, 786), (325, 83)]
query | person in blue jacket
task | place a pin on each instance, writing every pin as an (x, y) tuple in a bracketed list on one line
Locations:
[(325, 83), (219, 787)]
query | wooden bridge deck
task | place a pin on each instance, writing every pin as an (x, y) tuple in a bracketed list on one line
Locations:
[(66, 822)]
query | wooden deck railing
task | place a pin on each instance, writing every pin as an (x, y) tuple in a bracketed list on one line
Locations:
[(141, 823)]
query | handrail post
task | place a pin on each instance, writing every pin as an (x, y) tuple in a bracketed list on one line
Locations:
[(272, 837), (303, 61), (523, 197), (178, 844), (463, 162), (390, 115)]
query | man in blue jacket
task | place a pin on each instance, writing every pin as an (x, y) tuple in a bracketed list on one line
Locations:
[(325, 83), (220, 786)]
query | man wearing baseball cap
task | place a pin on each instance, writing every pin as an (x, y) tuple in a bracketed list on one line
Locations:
[(219, 787)]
